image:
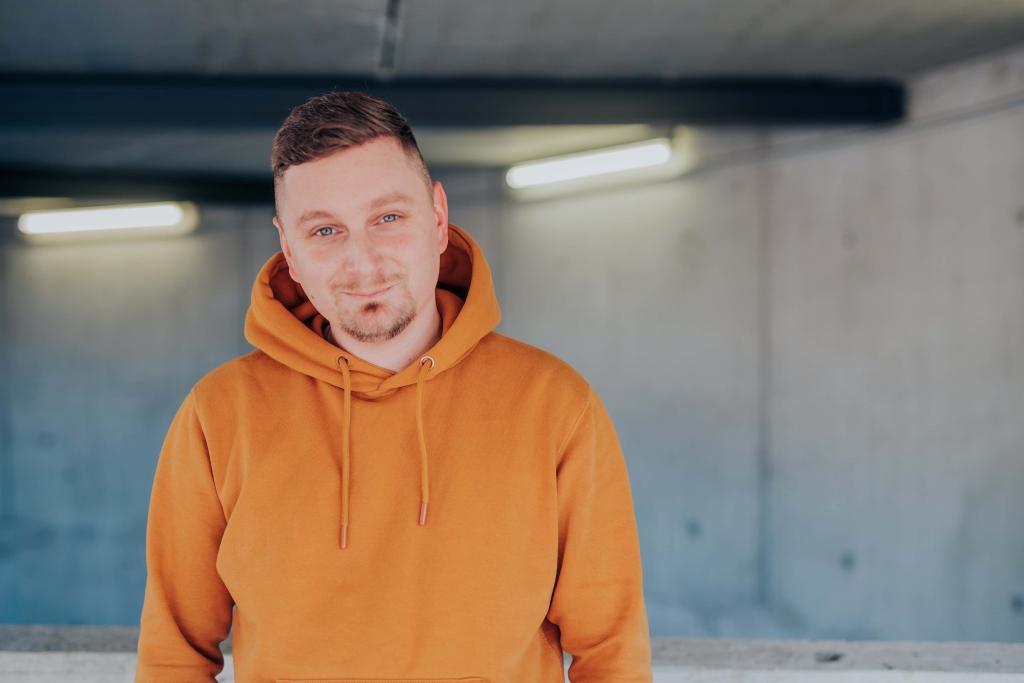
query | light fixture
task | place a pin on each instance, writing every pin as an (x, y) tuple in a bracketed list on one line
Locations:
[(159, 218), (611, 160)]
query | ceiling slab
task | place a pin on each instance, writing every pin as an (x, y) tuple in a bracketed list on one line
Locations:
[(526, 38)]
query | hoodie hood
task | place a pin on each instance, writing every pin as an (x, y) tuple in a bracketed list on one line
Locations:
[(283, 323)]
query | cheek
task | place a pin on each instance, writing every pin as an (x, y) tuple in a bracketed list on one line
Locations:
[(425, 271), (315, 280)]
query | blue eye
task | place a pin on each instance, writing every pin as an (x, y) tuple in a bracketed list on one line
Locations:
[(391, 214), (326, 227)]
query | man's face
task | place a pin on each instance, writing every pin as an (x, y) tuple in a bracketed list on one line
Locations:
[(359, 221)]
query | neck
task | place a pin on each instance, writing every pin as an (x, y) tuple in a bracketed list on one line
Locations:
[(396, 353)]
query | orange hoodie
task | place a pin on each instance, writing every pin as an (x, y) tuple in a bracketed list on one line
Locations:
[(463, 519)]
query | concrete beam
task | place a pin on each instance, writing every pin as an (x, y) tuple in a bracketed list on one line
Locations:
[(192, 102)]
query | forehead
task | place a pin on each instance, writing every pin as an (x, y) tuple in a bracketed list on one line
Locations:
[(369, 162), (393, 198), (361, 177)]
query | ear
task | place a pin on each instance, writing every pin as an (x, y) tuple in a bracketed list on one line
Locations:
[(441, 216), (281, 238), (284, 247)]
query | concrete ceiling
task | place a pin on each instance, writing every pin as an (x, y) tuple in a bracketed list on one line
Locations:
[(392, 39), (572, 38)]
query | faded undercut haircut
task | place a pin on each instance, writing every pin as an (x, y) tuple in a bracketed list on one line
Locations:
[(334, 121)]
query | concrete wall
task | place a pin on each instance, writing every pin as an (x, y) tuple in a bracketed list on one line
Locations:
[(812, 345), (897, 369)]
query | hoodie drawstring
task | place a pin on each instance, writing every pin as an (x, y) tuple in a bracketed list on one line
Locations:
[(346, 434), (424, 475)]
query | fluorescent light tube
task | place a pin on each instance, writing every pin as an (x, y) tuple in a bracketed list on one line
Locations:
[(586, 164), (158, 217)]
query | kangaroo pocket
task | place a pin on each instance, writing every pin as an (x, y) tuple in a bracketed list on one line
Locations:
[(473, 679)]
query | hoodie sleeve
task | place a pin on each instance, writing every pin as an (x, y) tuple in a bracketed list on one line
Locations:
[(186, 610), (598, 601)]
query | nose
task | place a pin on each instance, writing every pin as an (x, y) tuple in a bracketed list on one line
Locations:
[(363, 265), (361, 257)]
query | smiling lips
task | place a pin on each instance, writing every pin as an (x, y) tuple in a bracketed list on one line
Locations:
[(369, 294)]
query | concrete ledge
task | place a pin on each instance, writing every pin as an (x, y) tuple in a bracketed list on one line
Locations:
[(86, 654), (839, 655), (15, 638)]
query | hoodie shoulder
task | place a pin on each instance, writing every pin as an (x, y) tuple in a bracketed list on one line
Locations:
[(238, 372), (523, 359)]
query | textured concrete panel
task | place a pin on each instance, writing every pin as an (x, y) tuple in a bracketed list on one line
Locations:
[(663, 38), (898, 383), (193, 36), (650, 292), (103, 342)]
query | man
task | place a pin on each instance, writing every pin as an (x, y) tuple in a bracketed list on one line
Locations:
[(387, 488)]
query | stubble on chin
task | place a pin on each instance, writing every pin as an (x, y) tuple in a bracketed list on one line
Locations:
[(387, 320)]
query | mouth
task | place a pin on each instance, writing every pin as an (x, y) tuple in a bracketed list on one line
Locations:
[(368, 295)]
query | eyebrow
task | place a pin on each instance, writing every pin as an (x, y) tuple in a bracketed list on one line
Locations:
[(390, 198)]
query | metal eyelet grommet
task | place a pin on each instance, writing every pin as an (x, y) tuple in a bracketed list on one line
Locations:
[(428, 357)]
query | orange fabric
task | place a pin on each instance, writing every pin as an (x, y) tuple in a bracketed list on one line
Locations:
[(291, 496)]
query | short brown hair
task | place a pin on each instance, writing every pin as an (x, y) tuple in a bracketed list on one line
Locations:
[(338, 120)]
